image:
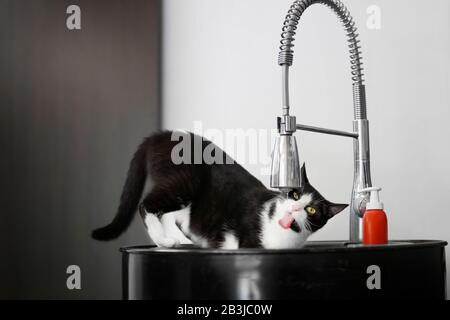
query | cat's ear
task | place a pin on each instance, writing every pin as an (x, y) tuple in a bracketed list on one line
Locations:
[(304, 176), (335, 208)]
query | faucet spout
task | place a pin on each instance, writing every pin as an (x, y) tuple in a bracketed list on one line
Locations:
[(285, 163)]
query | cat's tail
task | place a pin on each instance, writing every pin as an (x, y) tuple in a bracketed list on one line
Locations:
[(129, 199)]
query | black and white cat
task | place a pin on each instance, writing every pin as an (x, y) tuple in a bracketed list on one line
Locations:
[(218, 205)]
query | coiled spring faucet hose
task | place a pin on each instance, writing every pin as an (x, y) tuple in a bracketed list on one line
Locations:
[(286, 54)]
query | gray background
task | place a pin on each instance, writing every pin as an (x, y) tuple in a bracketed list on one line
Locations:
[(73, 107), (223, 71)]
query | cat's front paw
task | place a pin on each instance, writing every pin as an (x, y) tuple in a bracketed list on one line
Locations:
[(166, 242)]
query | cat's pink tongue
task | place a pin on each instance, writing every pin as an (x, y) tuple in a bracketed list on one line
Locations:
[(286, 221)]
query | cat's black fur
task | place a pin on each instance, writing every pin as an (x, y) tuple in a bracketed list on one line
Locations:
[(222, 196)]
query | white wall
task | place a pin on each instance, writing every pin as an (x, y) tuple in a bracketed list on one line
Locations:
[(220, 67)]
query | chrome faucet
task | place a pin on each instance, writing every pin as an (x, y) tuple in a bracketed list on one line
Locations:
[(285, 172)]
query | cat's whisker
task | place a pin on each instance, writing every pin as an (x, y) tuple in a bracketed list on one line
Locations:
[(306, 225)]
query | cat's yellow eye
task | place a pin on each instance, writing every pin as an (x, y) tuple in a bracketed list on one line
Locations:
[(310, 210), (295, 195)]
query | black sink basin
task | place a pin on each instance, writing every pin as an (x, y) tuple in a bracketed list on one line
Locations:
[(320, 270)]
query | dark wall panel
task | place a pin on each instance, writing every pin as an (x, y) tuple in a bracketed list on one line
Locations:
[(73, 107)]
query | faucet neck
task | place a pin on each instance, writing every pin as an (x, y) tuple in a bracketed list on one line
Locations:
[(286, 54)]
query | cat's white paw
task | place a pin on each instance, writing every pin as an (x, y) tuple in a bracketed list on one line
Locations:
[(156, 232), (166, 242)]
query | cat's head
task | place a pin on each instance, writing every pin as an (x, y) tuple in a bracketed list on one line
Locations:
[(315, 210)]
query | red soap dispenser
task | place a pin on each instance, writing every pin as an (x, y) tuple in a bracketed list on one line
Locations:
[(375, 226)]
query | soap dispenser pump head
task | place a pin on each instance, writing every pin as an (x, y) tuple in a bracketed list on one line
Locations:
[(374, 202)]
